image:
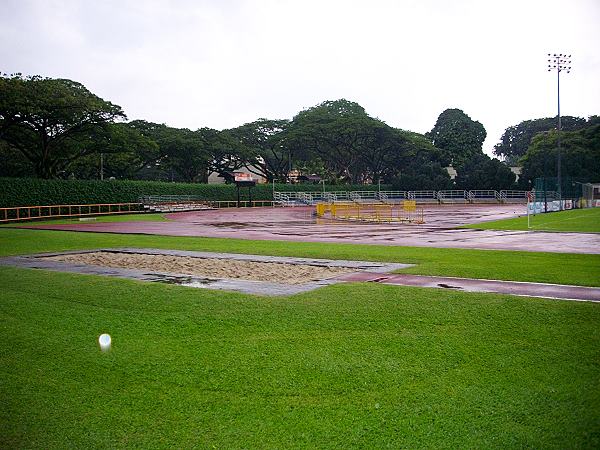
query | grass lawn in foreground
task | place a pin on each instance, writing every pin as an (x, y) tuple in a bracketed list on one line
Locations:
[(347, 366), (575, 220), (560, 268)]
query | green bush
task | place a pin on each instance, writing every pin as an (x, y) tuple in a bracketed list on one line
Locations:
[(36, 192)]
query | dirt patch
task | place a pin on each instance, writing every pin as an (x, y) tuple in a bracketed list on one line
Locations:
[(207, 267)]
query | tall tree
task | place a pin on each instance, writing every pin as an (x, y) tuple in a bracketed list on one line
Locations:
[(483, 172), (516, 139), (458, 136), (228, 153), (391, 152), (580, 154), (417, 165), (335, 132), (187, 155), (265, 152), (52, 122), (122, 151), (13, 163), (380, 150)]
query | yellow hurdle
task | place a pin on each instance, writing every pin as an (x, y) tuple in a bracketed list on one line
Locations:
[(409, 205), (372, 212)]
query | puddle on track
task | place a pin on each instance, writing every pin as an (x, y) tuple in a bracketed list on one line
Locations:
[(448, 286)]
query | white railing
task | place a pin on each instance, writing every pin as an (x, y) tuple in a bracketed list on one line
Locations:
[(355, 196), (448, 196), (515, 196), (305, 197), (371, 195), (397, 195), (452, 196), (330, 197), (483, 195), (152, 199), (422, 195)]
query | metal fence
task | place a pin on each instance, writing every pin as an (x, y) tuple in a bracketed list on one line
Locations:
[(18, 213), (454, 196), (483, 196), (447, 196)]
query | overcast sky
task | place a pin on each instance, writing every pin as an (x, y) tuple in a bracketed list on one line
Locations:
[(221, 64)]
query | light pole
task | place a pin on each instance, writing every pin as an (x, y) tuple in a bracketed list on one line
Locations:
[(559, 62)]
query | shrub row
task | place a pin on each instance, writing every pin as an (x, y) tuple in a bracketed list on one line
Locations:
[(34, 191)]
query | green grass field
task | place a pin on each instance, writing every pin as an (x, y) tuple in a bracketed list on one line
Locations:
[(347, 366), (576, 220)]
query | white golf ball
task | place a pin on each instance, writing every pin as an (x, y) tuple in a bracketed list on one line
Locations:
[(104, 341)]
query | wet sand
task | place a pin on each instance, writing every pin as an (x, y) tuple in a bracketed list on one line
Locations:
[(207, 267)]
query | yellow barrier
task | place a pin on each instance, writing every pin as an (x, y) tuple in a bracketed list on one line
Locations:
[(372, 212), (409, 205)]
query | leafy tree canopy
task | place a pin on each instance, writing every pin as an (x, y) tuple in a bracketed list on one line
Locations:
[(13, 163), (52, 122), (417, 166), (516, 139), (458, 136), (483, 172), (187, 155), (264, 146), (125, 152), (580, 154), (336, 132), (358, 148)]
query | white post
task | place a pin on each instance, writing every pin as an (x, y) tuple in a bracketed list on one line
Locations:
[(528, 203)]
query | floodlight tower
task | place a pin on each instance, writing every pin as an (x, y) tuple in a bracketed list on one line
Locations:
[(559, 62)]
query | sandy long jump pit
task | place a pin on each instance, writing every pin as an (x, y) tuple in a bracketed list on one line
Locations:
[(252, 274)]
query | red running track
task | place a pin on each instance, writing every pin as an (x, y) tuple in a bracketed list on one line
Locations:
[(299, 224), (555, 291)]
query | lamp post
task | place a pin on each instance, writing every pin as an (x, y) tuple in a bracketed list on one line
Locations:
[(559, 62)]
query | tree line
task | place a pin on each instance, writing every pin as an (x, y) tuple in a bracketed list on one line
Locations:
[(56, 128)]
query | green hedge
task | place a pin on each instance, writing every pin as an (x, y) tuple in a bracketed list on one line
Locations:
[(34, 192)]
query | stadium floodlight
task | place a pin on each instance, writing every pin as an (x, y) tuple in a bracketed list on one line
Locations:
[(561, 63)]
